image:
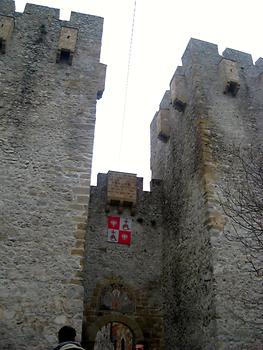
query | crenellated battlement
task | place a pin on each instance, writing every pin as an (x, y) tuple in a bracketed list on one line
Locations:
[(56, 43), (7, 7), (41, 11), (228, 75), (202, 52), (84, 32), (243, 58)]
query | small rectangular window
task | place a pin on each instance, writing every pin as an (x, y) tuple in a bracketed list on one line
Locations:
[(179, 105), (64, 56), (232, 88)]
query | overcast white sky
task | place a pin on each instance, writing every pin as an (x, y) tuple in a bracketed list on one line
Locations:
[(162, 31)]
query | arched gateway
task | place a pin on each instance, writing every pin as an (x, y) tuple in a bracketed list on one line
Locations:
[(114, 319)]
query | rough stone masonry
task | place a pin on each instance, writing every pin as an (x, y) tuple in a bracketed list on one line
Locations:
[(122, 281), (180, 284), (50, 78), (213, 109)]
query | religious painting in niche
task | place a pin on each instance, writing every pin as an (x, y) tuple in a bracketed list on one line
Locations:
[(114, 297)]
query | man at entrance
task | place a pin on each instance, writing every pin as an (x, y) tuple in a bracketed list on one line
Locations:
[(67, 339)]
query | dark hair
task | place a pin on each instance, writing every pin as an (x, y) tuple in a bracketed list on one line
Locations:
[(66, 333)]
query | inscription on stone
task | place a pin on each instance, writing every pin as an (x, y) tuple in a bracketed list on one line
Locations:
[(121, 188)]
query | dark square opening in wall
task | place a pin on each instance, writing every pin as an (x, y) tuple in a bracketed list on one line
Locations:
[(2, 46), (232, 88), (179, 105), (163, 137), (114, 202), (64, 56), (127, 204)]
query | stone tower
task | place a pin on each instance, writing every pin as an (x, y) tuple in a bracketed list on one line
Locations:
[(213, 109), (50, 79), (122, 278)]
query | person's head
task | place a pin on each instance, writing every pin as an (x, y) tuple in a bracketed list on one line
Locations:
[(66, 333)]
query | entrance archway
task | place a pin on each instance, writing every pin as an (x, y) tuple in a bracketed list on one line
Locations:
[(114, 336), (113, 319)]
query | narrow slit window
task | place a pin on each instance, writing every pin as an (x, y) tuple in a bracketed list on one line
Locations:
[(2, 45)]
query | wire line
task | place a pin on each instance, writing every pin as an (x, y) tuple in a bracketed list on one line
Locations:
[(127, 81)]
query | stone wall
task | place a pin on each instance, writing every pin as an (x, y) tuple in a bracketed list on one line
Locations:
[(122, 282), (47, 112), (212, 301), (7, 7), (103, 339)]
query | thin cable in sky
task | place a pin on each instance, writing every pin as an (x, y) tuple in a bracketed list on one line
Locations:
[(127, 83)]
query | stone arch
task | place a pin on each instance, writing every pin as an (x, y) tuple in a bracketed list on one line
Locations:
[(115, 317), (96, 315)]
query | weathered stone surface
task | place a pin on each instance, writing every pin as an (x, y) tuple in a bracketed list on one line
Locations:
[(47, 113), (68, 38), (122, 188), (163, 124), (6, 27), (211, 301), (7, 7)]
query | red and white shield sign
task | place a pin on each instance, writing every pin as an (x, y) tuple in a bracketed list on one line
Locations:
[(119, 230)]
